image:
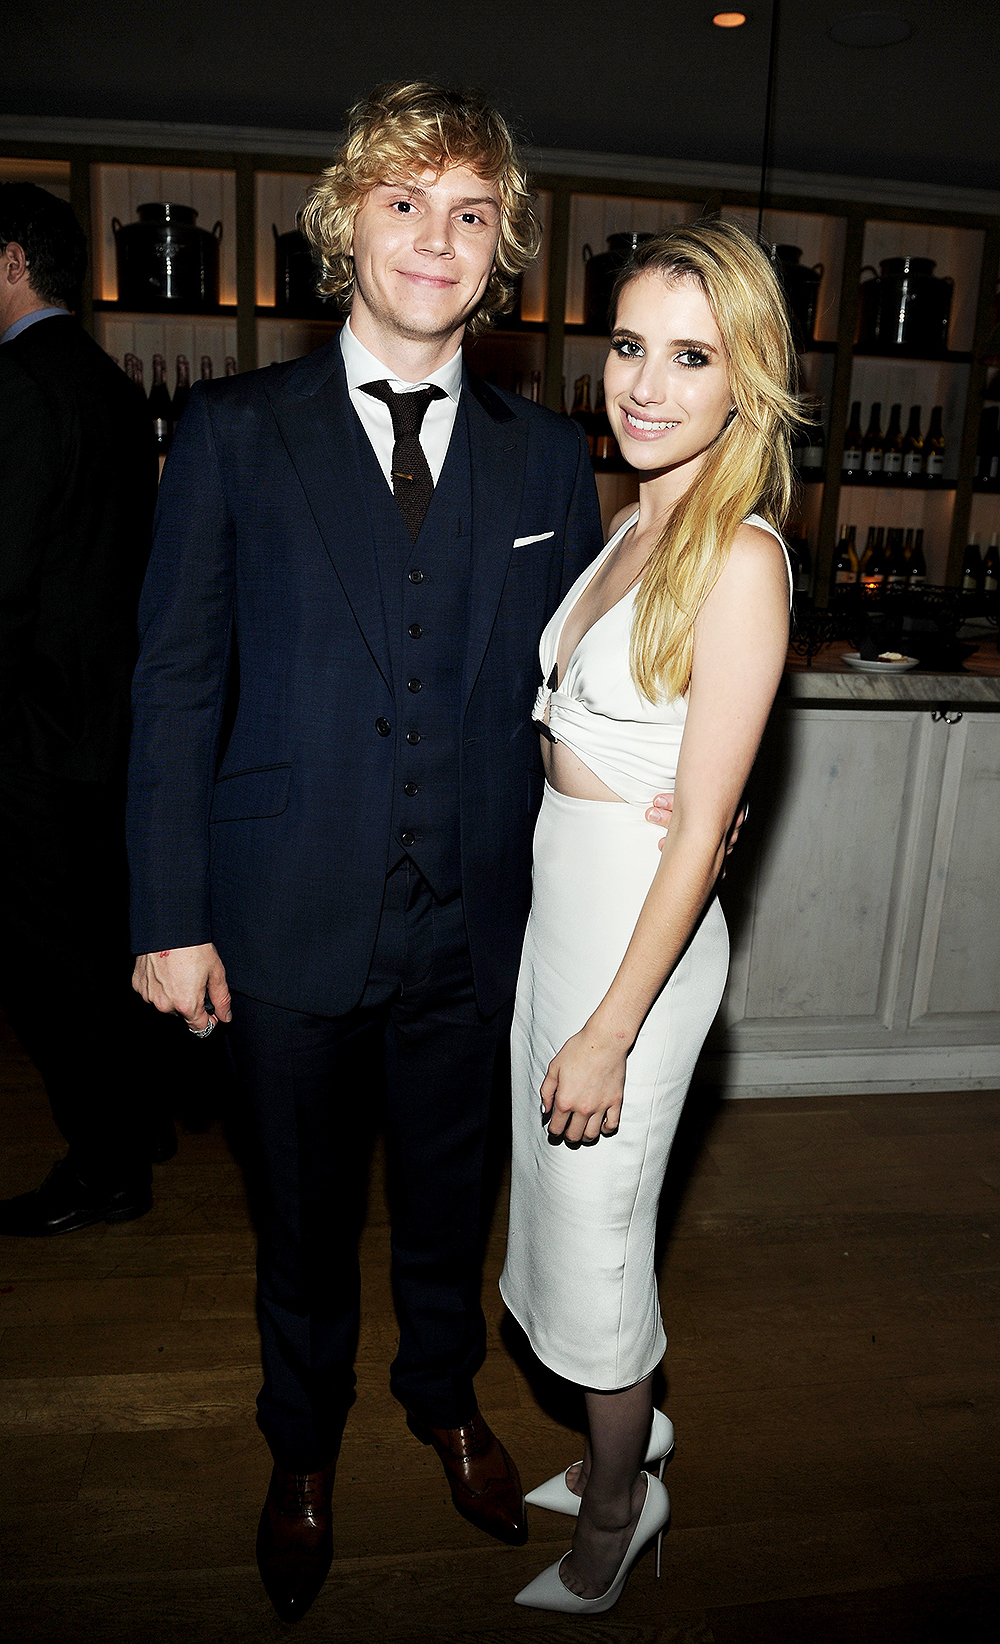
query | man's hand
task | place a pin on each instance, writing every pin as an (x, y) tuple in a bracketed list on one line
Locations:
[(661, 810), (177, 981)]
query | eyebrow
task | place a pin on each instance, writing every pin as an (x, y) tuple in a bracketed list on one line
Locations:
[(457, 205), (678, 342)]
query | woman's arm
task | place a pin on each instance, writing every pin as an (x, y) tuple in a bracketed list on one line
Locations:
[(741, 640)]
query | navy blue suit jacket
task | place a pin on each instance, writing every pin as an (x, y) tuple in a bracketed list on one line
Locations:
[(261, 787)]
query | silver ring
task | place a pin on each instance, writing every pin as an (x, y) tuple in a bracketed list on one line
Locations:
[(203, 1033)]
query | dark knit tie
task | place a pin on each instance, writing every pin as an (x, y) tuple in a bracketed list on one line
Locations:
[(412, 485)]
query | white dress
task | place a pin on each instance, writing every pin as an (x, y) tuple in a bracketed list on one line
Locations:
[(579, 1274)]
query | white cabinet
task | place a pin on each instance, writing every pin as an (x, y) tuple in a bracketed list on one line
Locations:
[(864, 906)]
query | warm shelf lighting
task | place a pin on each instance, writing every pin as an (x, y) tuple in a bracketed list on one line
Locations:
[(729, 19)]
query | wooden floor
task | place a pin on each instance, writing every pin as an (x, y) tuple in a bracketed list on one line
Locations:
[(828, 1283)]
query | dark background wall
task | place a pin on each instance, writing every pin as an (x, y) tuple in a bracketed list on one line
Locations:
[(644, 77)]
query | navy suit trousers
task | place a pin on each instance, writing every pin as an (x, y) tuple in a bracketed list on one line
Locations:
[(418, 1052)]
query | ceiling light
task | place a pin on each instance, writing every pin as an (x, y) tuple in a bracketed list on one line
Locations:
[(870, 28), (729, 19)]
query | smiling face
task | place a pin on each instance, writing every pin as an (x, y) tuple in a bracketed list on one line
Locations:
[(423, 254), (666, 381)]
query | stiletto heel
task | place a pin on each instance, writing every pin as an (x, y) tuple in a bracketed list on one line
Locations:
[(548, 1590), (555, 1494)]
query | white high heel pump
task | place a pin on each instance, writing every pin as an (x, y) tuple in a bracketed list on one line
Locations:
[(549, 1592), (555, 1494)]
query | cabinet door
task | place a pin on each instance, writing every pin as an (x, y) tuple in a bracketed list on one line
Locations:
[(818, 919), (957, 982)]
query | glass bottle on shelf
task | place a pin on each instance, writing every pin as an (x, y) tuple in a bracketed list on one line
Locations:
[(935, 448), (536, 387), (892, 449), (183, 390), (159, 405), (916, 565), (206, 368), (518, 387), (991, 569), (581, 411), (844, 571), (851, 463), (871, 450), (814, 450), (972, 567), (605, 444), (913, 448), (895, 562), (133, 370), (801, 558), (229, 366), (873, 564), (989, 467)]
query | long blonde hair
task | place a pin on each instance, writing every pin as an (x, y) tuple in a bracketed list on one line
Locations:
[(747, 468), (402, 129)]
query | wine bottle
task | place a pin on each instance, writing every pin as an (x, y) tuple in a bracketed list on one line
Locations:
[(851, 463), (991, 568), (917, 565), (892, 449), (183, 390), (986, 449), (844, 571), (934, 459), (871, 449), (895, 562), (159, 405), (802, 565), (206, 368), (536, 387), (133, 370), (972, 567), (913, 448), (229, 367), (873, 565), (518, 387), (814, 451), (581, 411), (605, 444)]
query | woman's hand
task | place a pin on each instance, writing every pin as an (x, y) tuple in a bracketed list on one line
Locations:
[(583, 1088)]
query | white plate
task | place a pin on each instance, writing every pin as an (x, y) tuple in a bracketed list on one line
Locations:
[(855, 660)]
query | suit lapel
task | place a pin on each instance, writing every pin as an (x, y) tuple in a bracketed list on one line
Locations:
[(319, 430), (497, 450)]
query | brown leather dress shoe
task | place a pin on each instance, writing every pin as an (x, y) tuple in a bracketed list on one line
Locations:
[(295, 1539), (485, 1485)]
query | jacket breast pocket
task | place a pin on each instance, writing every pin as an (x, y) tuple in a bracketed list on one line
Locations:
[(249, 795)]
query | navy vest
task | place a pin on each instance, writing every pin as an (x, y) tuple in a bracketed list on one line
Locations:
[(425, 587)]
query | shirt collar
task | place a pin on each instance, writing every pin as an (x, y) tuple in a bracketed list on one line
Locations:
[(362, 367), (23, 323)]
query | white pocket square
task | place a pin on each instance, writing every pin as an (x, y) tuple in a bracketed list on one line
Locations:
[(543, 536)]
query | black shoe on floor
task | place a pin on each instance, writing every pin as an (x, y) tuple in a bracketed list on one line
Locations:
[(65, 1202)]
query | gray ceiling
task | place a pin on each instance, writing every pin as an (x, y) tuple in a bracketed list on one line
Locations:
[(652, 78)]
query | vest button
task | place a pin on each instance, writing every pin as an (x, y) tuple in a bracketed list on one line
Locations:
[(383, 727), (407, 839), (413, 737), (414, 630), (410, 789), (416, 576), (414, 685)]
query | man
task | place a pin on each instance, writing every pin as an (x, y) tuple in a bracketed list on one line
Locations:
[(77, 491), (378, 537)]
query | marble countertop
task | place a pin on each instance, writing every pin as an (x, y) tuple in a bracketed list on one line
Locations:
[(830, 680)]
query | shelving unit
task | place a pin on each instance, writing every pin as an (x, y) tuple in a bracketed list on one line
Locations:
[(255, 194)]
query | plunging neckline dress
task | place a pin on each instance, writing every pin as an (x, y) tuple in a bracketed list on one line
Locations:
[(579, 1274)]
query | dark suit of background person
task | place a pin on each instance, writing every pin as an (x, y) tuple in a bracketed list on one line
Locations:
[(358, 850), (77, 490)]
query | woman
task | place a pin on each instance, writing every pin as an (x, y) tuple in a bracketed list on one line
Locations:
[(660, 668)]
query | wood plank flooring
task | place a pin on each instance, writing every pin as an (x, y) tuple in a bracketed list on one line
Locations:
[(829, 1282)]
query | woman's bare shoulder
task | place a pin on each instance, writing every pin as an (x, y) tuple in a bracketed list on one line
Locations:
[(756, 553), (619, 519)]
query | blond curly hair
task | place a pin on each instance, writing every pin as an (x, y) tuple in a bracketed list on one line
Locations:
[(398, 131)]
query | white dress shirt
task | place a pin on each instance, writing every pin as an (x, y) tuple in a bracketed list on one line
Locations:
[(376, 419)]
